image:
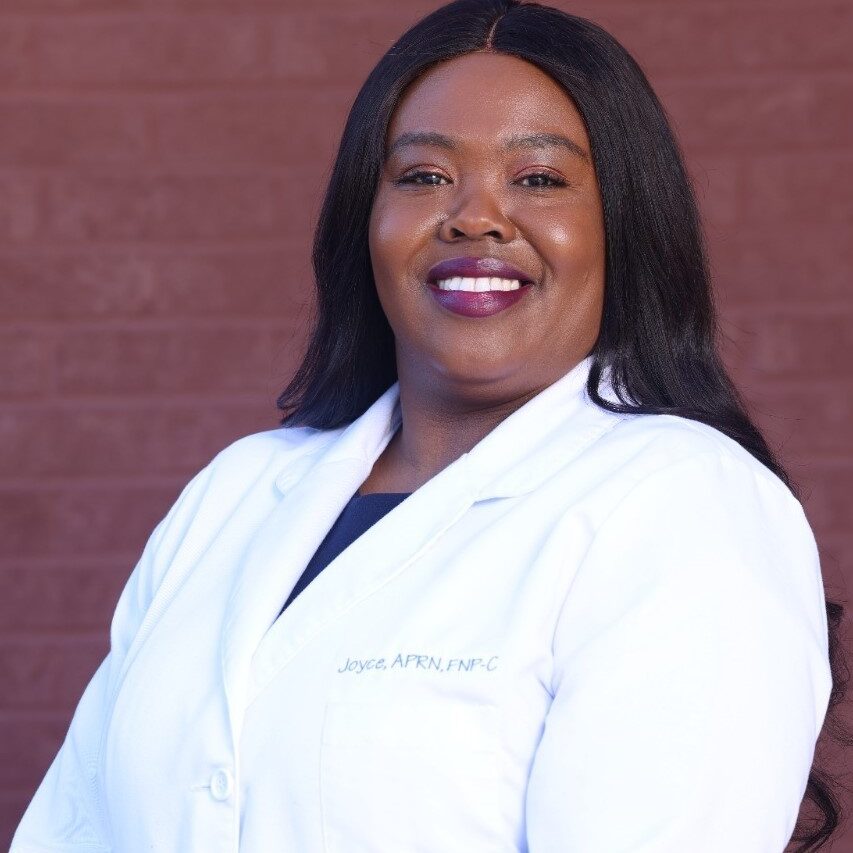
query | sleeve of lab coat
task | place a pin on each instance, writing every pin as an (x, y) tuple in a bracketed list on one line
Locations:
[(691, 673), (66, 813)]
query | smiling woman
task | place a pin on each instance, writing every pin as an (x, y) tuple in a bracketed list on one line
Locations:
[(545, 586), (488, 175), (474, 190)]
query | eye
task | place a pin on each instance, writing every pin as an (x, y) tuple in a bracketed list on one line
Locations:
[(413, 177), (552, 180), (542, 180)]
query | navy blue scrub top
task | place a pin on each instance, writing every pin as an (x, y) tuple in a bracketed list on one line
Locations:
[(358, 515)]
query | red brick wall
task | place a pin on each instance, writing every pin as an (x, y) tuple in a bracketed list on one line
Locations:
[(161, 164)]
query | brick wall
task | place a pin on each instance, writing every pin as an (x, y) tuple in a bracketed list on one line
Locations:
[(161, 164)]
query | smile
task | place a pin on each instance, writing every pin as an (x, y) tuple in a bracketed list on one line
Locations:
[(478, 285), (471, 301)]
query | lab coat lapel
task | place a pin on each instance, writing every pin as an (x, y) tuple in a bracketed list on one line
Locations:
[(375, 558), (315, 491), (548, 431)]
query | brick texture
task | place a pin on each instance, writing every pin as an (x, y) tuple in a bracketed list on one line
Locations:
[(161, 168)]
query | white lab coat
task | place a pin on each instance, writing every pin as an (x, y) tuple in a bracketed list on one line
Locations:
[(592, 633)]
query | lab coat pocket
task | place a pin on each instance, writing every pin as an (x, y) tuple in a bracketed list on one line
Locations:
[(414, 776)]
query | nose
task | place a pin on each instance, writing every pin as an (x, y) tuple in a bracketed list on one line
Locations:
[(477, 214)]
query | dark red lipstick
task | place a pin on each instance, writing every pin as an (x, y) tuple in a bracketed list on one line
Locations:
[(481, 303)]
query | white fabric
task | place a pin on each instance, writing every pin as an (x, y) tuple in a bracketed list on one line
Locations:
[(592, 633)]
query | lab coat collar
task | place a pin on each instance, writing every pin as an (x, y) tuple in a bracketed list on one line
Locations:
[(524, 449), (513, 459)]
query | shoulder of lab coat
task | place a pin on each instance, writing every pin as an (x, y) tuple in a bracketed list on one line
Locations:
[(203, 505), (691, 674), (71, 783)]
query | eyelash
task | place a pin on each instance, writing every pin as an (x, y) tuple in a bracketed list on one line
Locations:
[(555, 182)]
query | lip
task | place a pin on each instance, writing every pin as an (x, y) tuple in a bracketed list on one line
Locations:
[(477, 304), (471, 267)]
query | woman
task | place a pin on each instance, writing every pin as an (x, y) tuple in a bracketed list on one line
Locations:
[(517, 573)]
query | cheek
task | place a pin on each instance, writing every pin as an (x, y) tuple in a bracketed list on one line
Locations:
[(385, 252), (384, 230), (395, 232), (572, 247), (399, 233), (380, 240), (393, 242), (572, 241)]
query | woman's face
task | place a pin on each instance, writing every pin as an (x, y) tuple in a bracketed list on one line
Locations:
[(466, 192)]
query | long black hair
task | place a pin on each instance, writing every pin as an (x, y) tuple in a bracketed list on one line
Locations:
[(658, 335)]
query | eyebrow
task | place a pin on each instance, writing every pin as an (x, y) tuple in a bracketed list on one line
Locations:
[(535, 140)]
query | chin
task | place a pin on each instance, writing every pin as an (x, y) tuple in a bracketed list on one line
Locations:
[(479, 380)]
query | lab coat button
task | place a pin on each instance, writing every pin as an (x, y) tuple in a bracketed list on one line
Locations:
[(221, 784)]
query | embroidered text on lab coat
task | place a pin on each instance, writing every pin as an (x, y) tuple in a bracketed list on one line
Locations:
[(413, 661)]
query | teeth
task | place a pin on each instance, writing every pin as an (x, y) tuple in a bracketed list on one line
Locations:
[(478, 284)]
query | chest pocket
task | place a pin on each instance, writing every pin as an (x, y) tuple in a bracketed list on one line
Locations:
[(410, 777)]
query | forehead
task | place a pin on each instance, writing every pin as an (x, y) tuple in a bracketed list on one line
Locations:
[(486, 95)]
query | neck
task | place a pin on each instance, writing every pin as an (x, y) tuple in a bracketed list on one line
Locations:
[(439, 424)]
